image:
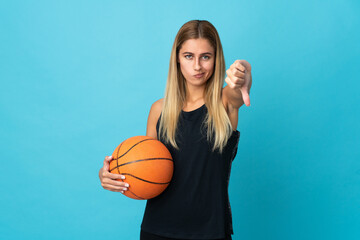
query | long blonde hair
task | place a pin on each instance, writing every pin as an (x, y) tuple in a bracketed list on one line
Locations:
[(217, 121)]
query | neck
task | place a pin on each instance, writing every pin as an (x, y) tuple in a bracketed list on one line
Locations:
[(194, 95)]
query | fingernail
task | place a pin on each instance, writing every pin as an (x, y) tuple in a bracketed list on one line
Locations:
[(127, 185), (122, 177), (122, 191)]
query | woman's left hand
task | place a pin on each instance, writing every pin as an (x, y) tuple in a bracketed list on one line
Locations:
[(239, 78)]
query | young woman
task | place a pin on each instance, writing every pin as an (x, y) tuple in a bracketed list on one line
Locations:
[(197, 121)]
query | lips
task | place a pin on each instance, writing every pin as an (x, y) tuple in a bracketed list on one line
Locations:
[(199, 75)]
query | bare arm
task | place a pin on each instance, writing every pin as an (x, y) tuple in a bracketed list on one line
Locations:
[(154, 115)]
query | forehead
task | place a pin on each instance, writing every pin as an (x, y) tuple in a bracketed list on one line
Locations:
[(197, 46)]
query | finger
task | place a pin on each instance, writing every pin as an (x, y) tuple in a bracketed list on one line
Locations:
[(237, 73), (236, 76), (107, 162), (108, 158), (245, 64), (238, 66), (228, 72), (113, 176), (115, 182), (113, 188), (246, 97), (230, 83), (234, 82), (238, 81)]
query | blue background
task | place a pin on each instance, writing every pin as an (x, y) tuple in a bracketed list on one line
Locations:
[(79, 77)]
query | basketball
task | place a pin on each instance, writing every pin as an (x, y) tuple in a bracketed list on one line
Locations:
[(147, 165)]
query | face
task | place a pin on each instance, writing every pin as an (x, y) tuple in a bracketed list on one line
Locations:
[(196, 56)]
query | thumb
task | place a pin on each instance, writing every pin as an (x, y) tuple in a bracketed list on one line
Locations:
[(245, 95)]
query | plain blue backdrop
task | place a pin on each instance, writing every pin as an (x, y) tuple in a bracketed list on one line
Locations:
[(79, 77)]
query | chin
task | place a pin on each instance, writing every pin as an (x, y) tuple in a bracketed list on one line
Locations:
[(198, 83)]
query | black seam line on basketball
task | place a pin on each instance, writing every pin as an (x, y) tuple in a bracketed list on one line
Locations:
[(136, 195), (135, 145), (139, 160), (143, 179), (117, 154)]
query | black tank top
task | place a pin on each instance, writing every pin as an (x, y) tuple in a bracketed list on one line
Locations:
[(196, 204)]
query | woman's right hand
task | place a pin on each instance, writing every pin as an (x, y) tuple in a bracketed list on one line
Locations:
[(108, 180)]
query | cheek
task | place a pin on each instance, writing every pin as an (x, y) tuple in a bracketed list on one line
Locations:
[(210, 67), (185, 68)]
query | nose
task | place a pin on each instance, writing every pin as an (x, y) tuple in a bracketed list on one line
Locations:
[(197, 65)]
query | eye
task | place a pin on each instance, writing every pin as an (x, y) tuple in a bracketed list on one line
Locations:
[(186, 56), (206, 57)]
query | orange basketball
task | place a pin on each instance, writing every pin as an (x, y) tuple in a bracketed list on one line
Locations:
[(147, 165)]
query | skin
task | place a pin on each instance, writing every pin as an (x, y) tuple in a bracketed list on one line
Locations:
[(195, 56)]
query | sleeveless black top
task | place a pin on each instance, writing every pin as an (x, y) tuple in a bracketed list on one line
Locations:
[(196, 202)]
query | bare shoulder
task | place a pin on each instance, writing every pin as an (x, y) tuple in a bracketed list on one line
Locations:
[(232, 112), (154, 115)]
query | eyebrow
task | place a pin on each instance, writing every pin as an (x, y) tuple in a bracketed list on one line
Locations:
[(200, 54)]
